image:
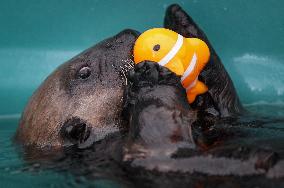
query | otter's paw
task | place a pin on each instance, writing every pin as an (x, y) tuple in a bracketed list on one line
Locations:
[(148, 73)]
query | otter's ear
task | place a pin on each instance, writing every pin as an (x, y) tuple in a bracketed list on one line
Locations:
[(179, 21)]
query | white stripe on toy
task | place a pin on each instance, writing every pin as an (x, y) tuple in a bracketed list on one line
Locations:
[(172, 52), (190, 68), (192, 84)]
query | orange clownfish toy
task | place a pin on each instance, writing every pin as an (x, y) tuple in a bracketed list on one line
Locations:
[(184, 56)]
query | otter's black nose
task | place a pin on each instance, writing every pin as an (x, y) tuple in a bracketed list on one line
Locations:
[(75, 131)]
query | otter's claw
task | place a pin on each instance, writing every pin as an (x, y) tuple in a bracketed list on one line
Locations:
[(149, 73)]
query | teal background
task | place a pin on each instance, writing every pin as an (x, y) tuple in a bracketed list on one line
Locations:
[(38, 35)]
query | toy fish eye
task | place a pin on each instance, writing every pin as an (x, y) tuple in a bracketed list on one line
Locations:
[(156, 47), (84, 72)]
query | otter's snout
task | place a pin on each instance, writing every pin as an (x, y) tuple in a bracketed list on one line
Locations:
[(75, 131)]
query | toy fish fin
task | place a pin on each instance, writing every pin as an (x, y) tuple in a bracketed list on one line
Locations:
[(198, 89)]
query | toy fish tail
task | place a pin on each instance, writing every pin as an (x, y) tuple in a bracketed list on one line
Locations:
[(198, 89)]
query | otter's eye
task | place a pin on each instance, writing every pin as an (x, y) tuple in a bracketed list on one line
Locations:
[(156, 47), (84, 72)]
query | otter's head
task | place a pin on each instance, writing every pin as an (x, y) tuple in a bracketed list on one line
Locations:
[(81, 101)]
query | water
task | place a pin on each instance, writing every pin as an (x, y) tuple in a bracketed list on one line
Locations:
[(14, 172), (87, 169), (37, 36)]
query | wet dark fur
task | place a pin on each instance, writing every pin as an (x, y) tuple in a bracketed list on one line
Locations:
[(164, 129)]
